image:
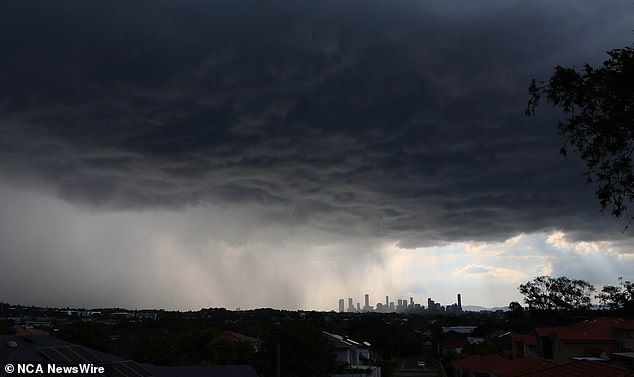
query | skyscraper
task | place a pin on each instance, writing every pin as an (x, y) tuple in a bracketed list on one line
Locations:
[(367, 302), (341, 305), (350, 305), (459, 302)]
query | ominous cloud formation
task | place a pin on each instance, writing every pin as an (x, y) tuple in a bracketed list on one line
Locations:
[(347, 125)]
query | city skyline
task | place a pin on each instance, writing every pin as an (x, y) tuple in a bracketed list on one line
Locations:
[(400, 305), (284, 154)]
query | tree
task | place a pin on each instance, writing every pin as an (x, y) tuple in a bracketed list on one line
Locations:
[(617, 297), (89, 334), (303, 349), (599, 103), (515, 307), (546, 293)]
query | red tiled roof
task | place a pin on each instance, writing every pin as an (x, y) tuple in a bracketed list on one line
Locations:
[(545, 331), (483, 364), (529, 340), (227, 335), (600, 328), (581, 369), (454, 345), (591, 329), (459, 363), (625, 325), (522, 366), (19, 330)]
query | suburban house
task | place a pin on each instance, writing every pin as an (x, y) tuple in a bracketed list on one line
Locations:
[(453, 343), (624, 332), (477, 366), (597, 337), (354, 355), (495, 366), (581, 368), (348, 351), (523, 345), (232, 336), (520, 367)]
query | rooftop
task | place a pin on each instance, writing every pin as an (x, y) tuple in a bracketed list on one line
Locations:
[(581, 369), (601, 328), (520, 367), (480, 364), (529, 340), (37, 348)]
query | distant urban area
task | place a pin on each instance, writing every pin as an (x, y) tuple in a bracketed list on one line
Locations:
[(555, 334), (400, 306)]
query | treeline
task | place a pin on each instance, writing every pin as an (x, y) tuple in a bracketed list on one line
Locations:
[(563, 294), (147, 343), (295, 340)]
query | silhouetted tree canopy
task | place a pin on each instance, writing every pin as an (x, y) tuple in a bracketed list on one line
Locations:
[(546, 293), (515, 306), (89, 334), (599, 103), (618, 297), (304, 350)]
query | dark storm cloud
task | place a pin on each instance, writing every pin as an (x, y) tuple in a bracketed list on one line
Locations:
[(405, 117)]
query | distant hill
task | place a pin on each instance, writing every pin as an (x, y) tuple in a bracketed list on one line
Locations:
[(476, 308)]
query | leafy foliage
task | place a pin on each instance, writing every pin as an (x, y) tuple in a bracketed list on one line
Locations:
[(516, 313), (618, 297), (153, 346), (6, 326), (515, 307), (546, 293), (599, 103), (89, 334), (303, 350)]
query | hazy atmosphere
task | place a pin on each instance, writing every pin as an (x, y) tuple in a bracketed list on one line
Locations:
[(285, 154)]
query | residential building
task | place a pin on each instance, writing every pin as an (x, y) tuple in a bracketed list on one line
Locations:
[(232, 336), (347, 351), (523, 345), (355, 356), (495, 366), (520, 367), (459, 329), (581, 368), (624, 332), (590, 338), (477, 366)]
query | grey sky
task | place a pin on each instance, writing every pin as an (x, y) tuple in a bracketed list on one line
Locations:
[(259, 135)]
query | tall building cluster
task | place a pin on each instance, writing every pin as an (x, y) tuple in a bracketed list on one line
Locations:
[(401, 305)]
